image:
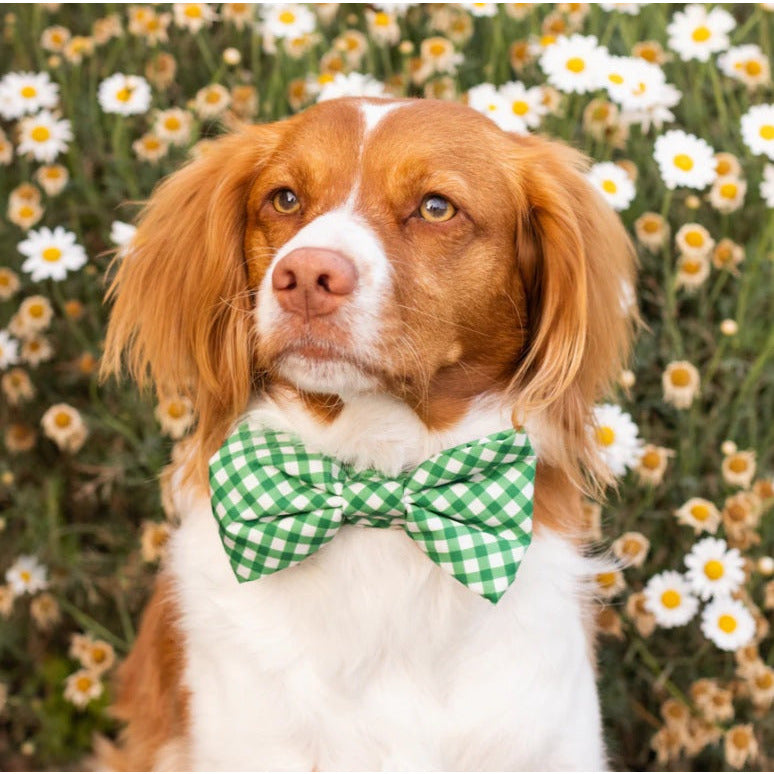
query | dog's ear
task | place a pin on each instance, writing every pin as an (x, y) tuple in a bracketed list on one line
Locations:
[(181, 316), (577, 267)]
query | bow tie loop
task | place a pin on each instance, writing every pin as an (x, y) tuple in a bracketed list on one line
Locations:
[(468, 508)]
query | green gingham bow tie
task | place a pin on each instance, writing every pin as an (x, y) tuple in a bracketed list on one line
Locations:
[(468, 508)]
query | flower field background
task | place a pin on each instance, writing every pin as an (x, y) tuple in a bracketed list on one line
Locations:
[(673, 104)]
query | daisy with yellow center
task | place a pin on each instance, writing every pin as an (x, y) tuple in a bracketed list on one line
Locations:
[(383, 27), (24, 92), (52, 178), (26, 576), (740, 745), (24, 214), (758, 130), (150, 147), (211, 101), (82, 687), (616, 437), (680, 382), (696, 33), (713, 568), (238, 14), (97, 656), (653, 464), (727, 255), (125, 95), (193, 16), (17, 387), (741, 516), (684, 160), (153, 540), (44, 136), (574, 64), (738, 469), (54, 38), (727, 194), (700, 514), (747, 64), (609, 583), (175, 416), (727, 623), (287, 20), (631, 548), (652, 231), (692, 271), (668, 597), (64, 425), (644, 621), (694, 240), (615, 185), (51, 254)]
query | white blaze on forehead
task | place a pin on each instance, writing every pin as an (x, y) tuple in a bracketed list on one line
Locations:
[(373, 113)]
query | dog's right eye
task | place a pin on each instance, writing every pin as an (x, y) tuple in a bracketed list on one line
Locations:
[(286, 202)]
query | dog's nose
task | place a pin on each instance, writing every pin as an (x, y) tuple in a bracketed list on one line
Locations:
[(313, 282)]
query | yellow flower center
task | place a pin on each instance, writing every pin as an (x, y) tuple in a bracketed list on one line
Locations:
[(767, 131), (738, 464), (736, 512), (193, 12), (608, 186), (51, 254), (605, 435), (25, 211), (651, 460), (36, 310), (700, 34), (176, 410), (83, 683), (753, 67), (764, 681), (287, 17), (683, 161), (547, 40), (151, 144), (601, 112), (727, 623), (714, 569), (124, 94), (40, 134), (606, 580), (212, 97), (98, 654), (381, 19), (172, 123), (651, 226), (576, 65), (62, 419), (437, 49), (680, 377), (671, 599), (631, 547), (25, 575), (691, 267), (694, 238), (520, 107), (324, 78), (728, 190), (615, 78), (740, 738), (28, 92), (723, 167), (53, 173)]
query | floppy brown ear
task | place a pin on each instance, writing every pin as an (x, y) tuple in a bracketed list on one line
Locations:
[(577, 266), (181, 312)]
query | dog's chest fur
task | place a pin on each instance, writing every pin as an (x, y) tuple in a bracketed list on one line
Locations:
[(367, 655)]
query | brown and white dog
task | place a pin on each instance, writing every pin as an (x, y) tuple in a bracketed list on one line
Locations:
[(384, 279)]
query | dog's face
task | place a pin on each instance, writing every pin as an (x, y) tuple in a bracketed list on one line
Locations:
[(406, 246)]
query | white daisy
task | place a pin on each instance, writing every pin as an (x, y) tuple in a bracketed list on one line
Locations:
[(9, 350), (668, 597), (695, 33), (767, 185), (64, 425), (758, 129), (632, 9), (747, 64), (487, 100), (82, 687), (351, 85), (26, 576), (575, 64), (193, 16), (51, 254), (684, 160), (126, 95), (613, 183), (713, 568), (22, 93), (728, 623), (287, 20), (480, 9), (526, 104), (44, 136), (616, 438)]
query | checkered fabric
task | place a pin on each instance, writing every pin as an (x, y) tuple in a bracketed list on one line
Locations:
[(468, 508)]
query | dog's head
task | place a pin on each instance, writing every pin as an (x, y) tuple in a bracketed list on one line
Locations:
[(404, 246)]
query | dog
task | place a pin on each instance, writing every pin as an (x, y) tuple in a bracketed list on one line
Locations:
[(378, 280)]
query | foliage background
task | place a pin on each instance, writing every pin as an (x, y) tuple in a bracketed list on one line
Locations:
[(82, 514)]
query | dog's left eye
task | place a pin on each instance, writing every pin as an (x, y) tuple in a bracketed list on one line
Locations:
[(436, 209), (286, 202)]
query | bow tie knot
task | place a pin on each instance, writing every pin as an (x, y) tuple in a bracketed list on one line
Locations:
[(468, 508)]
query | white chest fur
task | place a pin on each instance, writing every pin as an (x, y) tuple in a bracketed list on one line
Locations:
[(368, 656)]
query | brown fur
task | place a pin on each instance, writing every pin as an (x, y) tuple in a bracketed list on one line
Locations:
[(150, 696)]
